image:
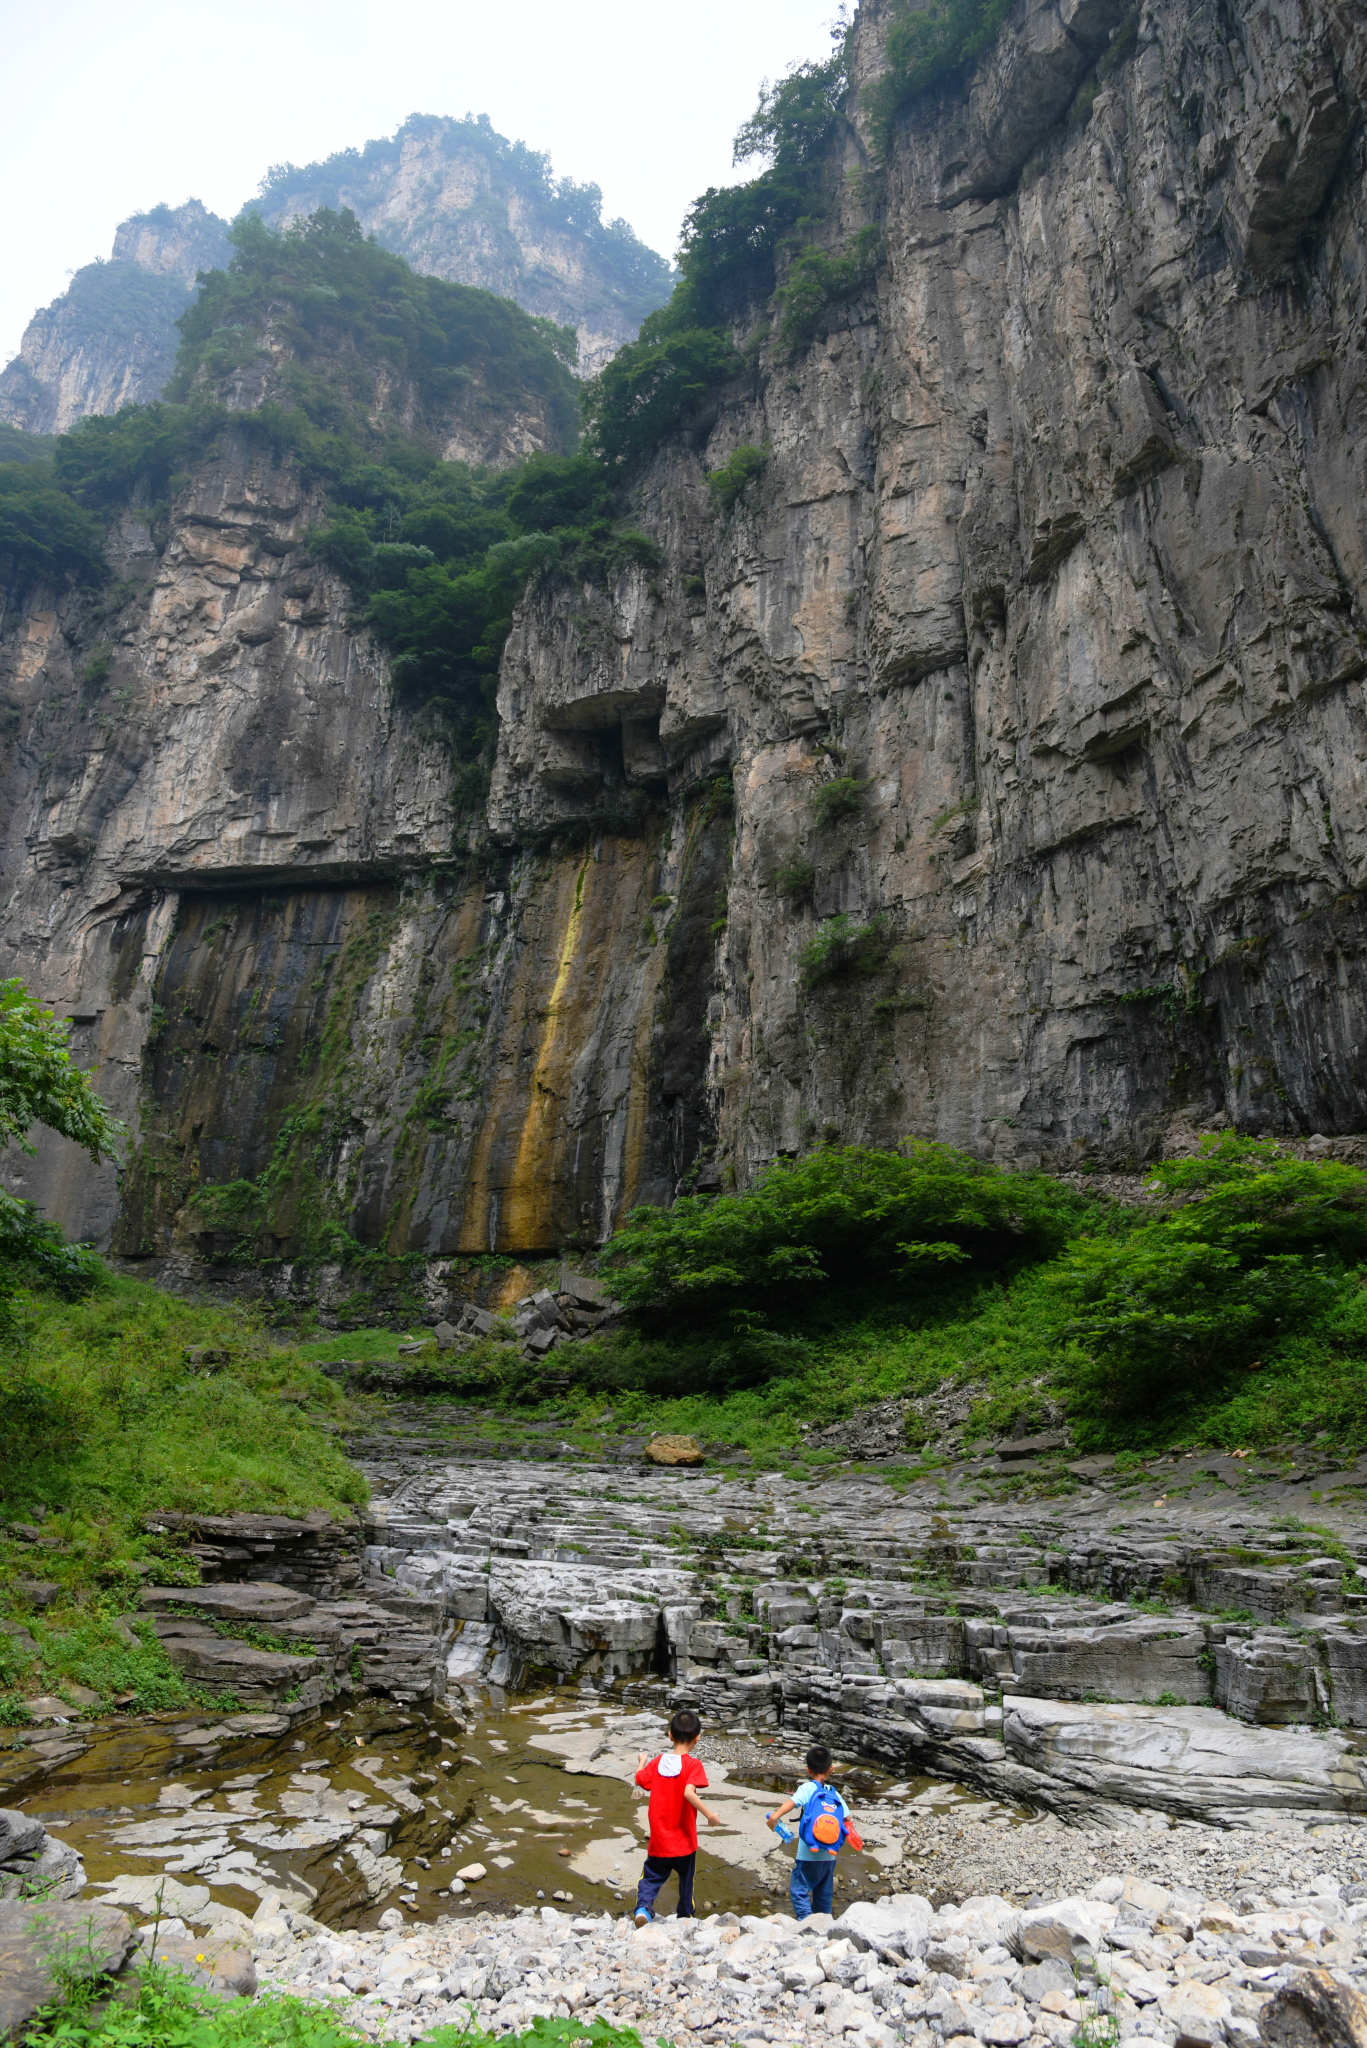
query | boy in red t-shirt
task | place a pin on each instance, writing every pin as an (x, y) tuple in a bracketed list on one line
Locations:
[(672, 1780)]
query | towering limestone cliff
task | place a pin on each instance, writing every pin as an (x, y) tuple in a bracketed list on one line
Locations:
[(454, 198), (460, 201), (981, 756), (110, 339)]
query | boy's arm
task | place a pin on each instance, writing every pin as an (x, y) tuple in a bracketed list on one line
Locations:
[(787, 1806), (691, 1795)]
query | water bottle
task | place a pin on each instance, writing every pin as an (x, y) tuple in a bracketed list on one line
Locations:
[(784, 1834)]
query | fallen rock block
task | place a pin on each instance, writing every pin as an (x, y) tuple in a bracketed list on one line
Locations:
[(1198, 2011), (1314, 2011), (39, 1944), (674, 1450), (217, 1963), (1013, 1447), (896, 1923), (1064, 1930)]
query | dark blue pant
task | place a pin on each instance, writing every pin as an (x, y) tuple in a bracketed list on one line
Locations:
[(654, 1875), (812, 1888)]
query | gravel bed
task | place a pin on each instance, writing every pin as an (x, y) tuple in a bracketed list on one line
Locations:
[(1130, 1959)]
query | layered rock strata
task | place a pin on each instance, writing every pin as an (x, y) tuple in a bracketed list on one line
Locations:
[(1188, 1666)]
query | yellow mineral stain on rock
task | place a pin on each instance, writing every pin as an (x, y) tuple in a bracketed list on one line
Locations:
[(527, 1217), (566, 1113)]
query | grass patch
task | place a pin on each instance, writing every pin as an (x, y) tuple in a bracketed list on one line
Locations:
[(167, 2011), (103, 1421)]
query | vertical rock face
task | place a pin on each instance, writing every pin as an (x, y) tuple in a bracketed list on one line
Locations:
[(110, 339), (992, 771), (233, 860), (458, 201), (1057, 568)]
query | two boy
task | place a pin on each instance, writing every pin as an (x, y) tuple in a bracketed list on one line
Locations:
[(673, 1780)]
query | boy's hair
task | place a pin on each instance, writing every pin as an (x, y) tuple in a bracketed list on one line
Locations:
[(818, 1760), (685, 1726)]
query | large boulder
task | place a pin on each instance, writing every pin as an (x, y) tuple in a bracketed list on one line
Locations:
[(1314, 2011), (1068, 1929), (42, 1943), (674, 1450), (898, 1923), (33, 1863)]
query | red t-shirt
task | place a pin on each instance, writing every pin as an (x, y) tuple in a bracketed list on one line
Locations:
[(673, 1823)]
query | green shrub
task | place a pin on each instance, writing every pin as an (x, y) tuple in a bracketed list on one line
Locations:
[(44, 537), (887, 1220), (1256, 1253), (926, 45), (726, 484), (843, 947), (731, 239), (795, 878), (33, 1252), (843, 798), (647, 387), (817, 280)]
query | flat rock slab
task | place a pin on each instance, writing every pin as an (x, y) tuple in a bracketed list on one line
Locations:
[(152, 1894), (1185, 1759), (257, 1600), (37, 1942)]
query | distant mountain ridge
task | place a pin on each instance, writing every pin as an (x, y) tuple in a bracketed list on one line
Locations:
[(110, 339), (454, 197), (459, 201)]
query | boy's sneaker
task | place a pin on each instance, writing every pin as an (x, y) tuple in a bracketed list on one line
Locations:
[(643, 1916)]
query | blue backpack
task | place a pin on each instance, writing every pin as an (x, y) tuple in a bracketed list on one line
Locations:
[(823, 1825)]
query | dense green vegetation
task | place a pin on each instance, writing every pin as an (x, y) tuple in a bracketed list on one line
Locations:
[(441, 558), (928, 45), (729, 251), (121, 302), (167, 2011), (635, 275), (852, 1275), (436, 553), (17, 446), (326, 292), (107, 1415), (43, 535), (105, 1420)]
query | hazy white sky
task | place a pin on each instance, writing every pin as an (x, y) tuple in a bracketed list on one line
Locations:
[(113, 109)]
